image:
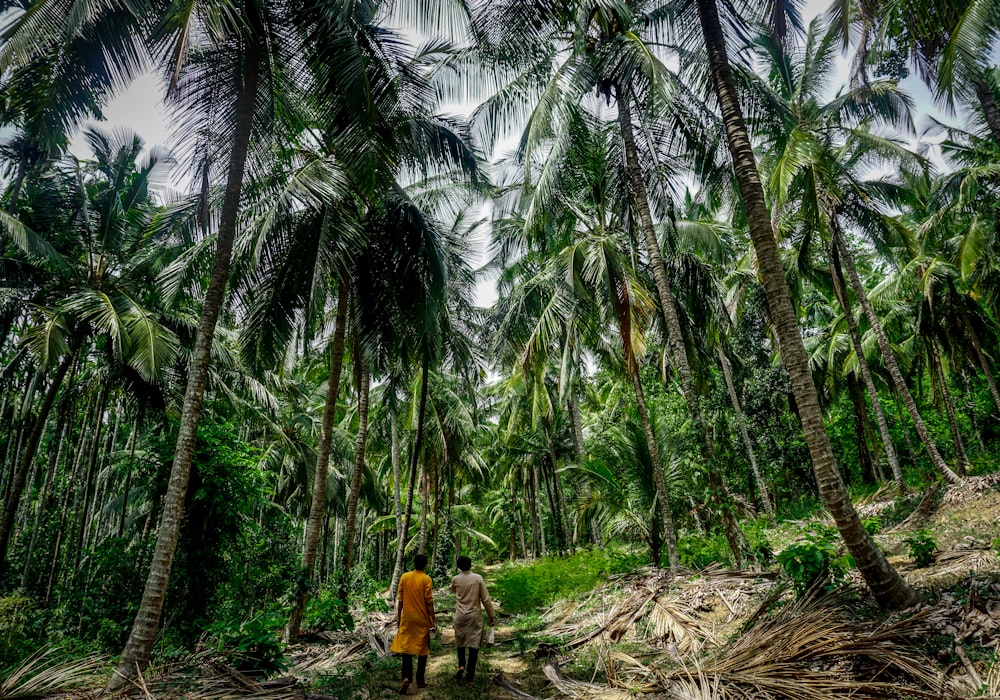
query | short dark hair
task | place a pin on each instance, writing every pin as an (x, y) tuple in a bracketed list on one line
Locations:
[(420, 562), (464, 563)]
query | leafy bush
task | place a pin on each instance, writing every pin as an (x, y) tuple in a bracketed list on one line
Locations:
[(253, 644), (760, 547), (922, 547), (812, 562), (699, 551), (327, 611), (872, 525), (521, 587), (18, 638)]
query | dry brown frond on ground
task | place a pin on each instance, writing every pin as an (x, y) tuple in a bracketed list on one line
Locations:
[(40, 675)]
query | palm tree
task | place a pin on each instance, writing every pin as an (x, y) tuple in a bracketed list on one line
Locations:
[(97, 287), (815, 148), (887, 586)]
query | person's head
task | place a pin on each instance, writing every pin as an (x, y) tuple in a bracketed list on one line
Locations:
[(420, 562), (464, 563)]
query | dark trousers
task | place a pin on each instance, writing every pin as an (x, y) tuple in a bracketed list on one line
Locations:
[(470, 668), (408, 668)]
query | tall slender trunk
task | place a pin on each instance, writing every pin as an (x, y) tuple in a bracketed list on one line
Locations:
[(359, 469), (561, 516), (988, 103), (861, 429), (27, 456), (884, 581), (318, 502), (961, 457), (663, 500), (734, 399), (414, 461), (425, 497), (135, 656), (535, 488), (840, 290), (576, 425), (675, 335), (126, 491), (46, 495), (88, 481), (394, 456), (67, 497), (533, 515), (890, 360)]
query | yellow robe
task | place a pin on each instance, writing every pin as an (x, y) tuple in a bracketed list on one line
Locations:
[(413, 636)]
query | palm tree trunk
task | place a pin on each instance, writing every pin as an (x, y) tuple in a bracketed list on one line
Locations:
[(988, 103), (734, 399), (45, 498), (576, 424), (860, 429), (839, 289), (666, 519), (561, 519), (394, 456), (88, 481), (962, 459), (27, 456), (128, 477), (884, 581), (135, 656), (359, 468), (318, 502), (414, 461), (536, 540), (425, 497), (890, 360), (675, 335)]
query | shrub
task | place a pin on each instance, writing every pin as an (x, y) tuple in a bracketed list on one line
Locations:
[(253, 644), (522, 587), (812, 562), (922, 547), (327, 611), (872, 525), (699, 551)]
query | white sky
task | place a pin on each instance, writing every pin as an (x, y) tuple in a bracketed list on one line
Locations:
[(141, 108)]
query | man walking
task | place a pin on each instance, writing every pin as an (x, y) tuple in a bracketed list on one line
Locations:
[(470, 593), (416, 620)]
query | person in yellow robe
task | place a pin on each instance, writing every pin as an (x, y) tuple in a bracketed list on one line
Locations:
[(416, 620), (470, 593)]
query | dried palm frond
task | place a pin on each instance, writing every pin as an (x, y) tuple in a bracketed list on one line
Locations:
[(582, 690), (670, 623), (993, 680), (41, 674), (340, 656), (812, 650), (962, 560)]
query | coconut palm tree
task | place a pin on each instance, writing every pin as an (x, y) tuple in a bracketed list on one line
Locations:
[(887, 586), (91, 290)]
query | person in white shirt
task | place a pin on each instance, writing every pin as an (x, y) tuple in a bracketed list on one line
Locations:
[(470, 595)]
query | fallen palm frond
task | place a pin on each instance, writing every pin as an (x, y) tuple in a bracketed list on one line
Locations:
[(344, 654), (810, 650), (970, 488), (680, 614), (41, 674), (582, 690)]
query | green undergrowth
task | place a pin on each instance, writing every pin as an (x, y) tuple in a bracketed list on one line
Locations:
[(523, 587)]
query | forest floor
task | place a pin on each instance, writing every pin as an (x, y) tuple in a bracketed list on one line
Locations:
[(699, 633), (706, 634)]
